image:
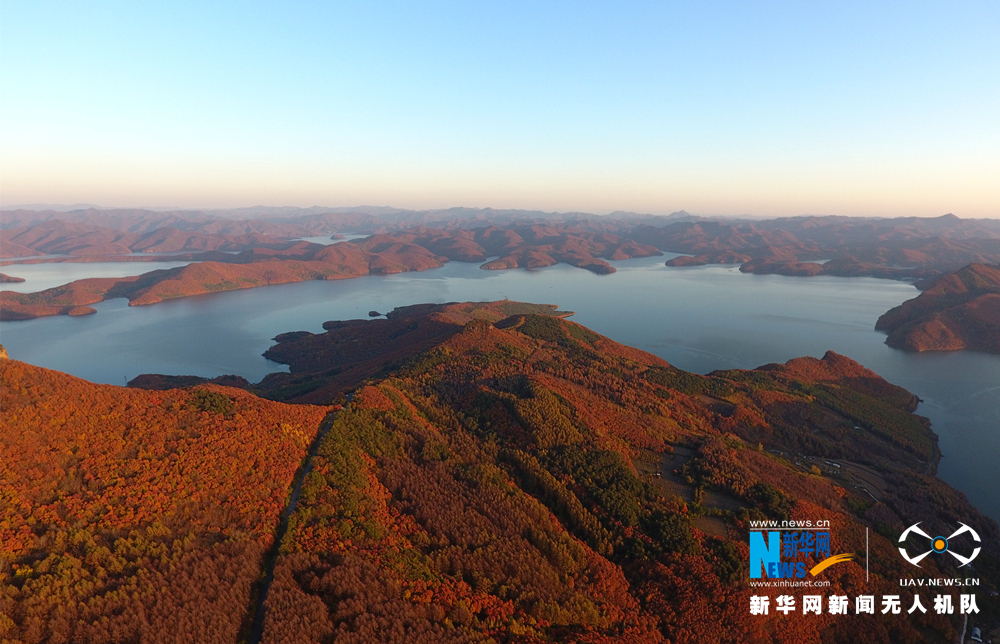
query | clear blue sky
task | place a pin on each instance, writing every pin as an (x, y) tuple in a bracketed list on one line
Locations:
[(714, 107)]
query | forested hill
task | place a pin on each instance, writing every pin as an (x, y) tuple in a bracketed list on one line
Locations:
[(137, 516), (518, 478), (961, 310)]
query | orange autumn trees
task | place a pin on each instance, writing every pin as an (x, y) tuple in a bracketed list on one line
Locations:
[(492, 488), (499, 474), (403, 547), (961, 310), (130, 515)]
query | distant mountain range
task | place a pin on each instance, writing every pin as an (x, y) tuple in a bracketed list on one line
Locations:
[(249, 247), (52, 206)]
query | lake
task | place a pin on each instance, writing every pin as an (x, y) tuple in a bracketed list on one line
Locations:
[(38, 277), (698, 318)]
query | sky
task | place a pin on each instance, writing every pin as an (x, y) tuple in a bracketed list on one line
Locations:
[(760, 108)]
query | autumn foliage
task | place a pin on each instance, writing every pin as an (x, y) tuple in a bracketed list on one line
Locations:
[(959, 311), (492, 488), (513, 477), (129, 515)]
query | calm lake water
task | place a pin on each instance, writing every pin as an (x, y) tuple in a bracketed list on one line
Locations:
[(698, 318), (38, 277)]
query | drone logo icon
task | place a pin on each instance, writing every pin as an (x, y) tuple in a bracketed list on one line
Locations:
[(939, 544)]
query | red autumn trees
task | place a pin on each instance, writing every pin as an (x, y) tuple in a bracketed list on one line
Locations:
[(131, 515)]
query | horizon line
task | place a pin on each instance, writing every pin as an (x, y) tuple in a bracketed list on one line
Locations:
[(78, 207)]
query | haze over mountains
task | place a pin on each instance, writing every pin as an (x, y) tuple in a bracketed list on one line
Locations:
[(908, 241), (46, 211), (260, 246)]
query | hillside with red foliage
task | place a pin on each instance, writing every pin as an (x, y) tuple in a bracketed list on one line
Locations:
[(497, 473), (360, 349), (131, 515), (960, 311), (324, 367), (503, 485)]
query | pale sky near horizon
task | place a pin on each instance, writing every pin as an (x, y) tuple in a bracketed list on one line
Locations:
[(766, 108)]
